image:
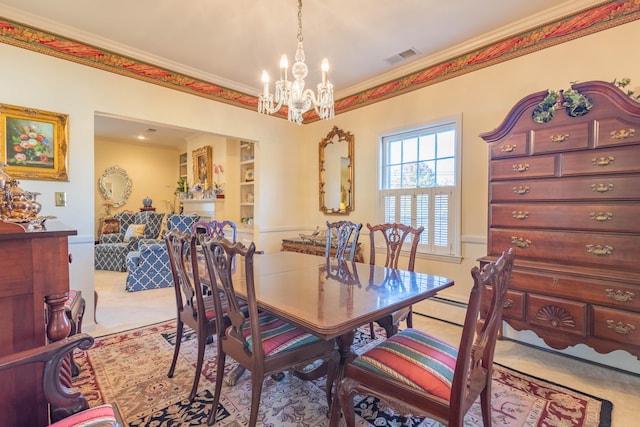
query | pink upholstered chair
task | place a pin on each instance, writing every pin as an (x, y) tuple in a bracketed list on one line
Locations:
[(421, 374), (68, 407)]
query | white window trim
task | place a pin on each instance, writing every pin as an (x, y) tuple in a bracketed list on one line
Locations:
[(455, 254)]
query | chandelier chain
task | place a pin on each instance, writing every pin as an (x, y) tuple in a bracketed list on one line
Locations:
[(300, 21)]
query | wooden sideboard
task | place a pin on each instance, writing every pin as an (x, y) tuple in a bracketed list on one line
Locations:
[(307, 247), (34, 274), (565, 193)]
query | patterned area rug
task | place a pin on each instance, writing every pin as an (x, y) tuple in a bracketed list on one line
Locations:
[(130, 368)]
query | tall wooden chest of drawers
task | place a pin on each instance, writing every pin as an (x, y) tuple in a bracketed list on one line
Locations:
[(565, 193)]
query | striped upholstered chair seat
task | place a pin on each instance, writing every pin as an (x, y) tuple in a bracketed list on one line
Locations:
[(422, 375), (414, 358), (277, 336)]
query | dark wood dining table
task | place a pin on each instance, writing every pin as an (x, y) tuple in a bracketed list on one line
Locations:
[(331, 299)]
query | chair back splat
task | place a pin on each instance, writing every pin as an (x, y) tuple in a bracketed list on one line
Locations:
[(194, 309), (258, 341), (395, 238), (343, 235), (218, 229), (418, 373)]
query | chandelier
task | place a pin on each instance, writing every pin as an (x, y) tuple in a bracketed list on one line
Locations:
[(293, 94)]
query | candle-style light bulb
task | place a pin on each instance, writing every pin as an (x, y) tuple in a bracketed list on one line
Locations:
[(284, 65), (325, 70), (265, 81)]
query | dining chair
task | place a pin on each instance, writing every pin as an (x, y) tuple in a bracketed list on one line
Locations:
[(258, 341), (396, 238), (421, 374), (68, 407), (342, 235), (194, 308)]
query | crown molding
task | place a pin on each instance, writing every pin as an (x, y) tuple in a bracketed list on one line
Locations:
[(493, 48)]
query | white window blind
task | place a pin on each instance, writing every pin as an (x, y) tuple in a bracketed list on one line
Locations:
[(419, 177)]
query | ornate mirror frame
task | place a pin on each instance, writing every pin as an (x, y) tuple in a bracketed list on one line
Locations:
[(336, 166), (115, 179)]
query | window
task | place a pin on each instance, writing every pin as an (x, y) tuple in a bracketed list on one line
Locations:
[(419, 184)]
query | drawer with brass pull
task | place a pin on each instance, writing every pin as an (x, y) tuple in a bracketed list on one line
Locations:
[(603, 161), (513, 304), (616, 325), (524, 167), (602, 292), (562, 138), (616, 217), (515, 145), (594, 188), (615, 131), (612, 250)]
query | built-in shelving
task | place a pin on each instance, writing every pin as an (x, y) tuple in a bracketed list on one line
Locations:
[(247, 184)]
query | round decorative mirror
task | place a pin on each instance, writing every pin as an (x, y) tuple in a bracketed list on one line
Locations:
[(115, 185)]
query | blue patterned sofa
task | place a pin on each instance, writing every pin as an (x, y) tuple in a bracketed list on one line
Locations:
[(111, 252), (148, 267)]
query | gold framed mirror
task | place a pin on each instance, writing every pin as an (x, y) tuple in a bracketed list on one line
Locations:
[(336, 172)]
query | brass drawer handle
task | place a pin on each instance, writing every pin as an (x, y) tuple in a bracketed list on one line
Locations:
[(508, 303), (559, 138), (601, 216), (619, 295), (602, 188), (520, 242), (521, 167), (600, 250), (620, 328), (521, 189), (603, 161), (623, 133), (520, 214), (508, 148)]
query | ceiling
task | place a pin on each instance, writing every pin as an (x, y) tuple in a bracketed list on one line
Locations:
[(230, 42)]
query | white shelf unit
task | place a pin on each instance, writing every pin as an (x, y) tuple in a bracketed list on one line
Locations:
[(247, 185), (182, 165)]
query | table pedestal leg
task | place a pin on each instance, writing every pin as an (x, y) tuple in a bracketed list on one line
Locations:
[(346, 355)]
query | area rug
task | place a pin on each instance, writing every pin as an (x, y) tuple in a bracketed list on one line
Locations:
[(130, 368)]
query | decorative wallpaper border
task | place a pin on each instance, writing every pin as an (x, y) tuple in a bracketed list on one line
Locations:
[(588, 21)]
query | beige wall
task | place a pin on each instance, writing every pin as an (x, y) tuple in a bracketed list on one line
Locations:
[(287, 154), (153, 172)]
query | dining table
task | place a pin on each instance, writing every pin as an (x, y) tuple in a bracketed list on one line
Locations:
[(331, 298)]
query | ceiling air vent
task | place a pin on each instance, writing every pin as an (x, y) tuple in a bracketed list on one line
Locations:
[(402, 56)]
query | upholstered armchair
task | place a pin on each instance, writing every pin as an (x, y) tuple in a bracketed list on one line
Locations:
[(148, 267), (111, 252)]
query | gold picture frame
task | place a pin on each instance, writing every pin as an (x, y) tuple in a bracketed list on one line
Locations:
[(202, 166), (34, 143)]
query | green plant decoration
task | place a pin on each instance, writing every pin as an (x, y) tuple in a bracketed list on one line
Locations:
[(622, 84), (546, 110), (575, 103), (183, 186)]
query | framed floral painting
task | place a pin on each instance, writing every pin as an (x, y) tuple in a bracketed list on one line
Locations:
[(202, 166), (34, 143)]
